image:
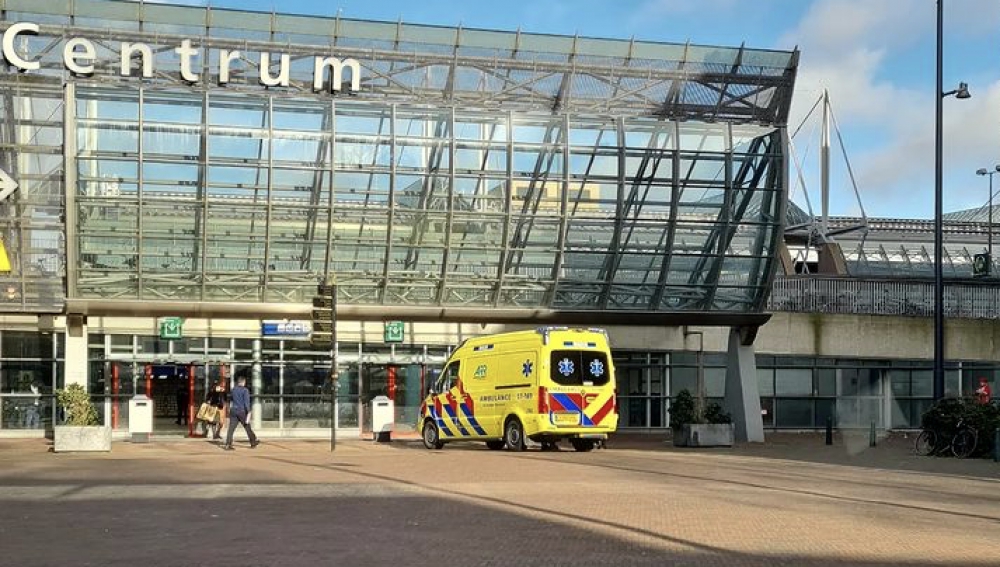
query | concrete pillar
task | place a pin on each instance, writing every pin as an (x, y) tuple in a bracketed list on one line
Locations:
[(832, 260), (256, 383), (76, 367), (742, 395)]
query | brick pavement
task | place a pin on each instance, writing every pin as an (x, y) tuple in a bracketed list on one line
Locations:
[(789, 502)]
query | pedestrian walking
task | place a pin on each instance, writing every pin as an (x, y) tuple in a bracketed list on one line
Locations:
[(239, 412), (217, 399)]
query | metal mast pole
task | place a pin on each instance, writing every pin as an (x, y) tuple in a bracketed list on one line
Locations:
[(989, 230), (938, 213), (824, 164)]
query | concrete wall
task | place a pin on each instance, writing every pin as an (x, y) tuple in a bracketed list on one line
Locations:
[(875, 336)]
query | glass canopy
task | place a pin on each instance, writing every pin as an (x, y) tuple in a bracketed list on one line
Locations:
[(469, 168)]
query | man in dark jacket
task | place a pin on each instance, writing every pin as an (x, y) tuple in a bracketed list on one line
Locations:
[(239, 411), (182, 404)]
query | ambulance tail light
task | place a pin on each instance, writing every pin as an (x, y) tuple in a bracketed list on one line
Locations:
[(614, 401), (543, 400)]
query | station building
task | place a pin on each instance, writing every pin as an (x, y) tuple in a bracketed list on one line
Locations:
[(188, 177)]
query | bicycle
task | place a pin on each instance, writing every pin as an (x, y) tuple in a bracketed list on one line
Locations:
[(927, 443), (966, 438), (962, 444)]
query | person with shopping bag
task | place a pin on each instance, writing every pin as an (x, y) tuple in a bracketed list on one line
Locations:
[(213, 410)]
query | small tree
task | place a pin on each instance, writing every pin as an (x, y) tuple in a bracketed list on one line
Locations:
[(682, 410), (75, 402)]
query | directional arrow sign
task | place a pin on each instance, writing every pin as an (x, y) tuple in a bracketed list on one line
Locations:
[(7, 185)]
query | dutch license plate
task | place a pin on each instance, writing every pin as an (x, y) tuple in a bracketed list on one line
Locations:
[(567, 418)]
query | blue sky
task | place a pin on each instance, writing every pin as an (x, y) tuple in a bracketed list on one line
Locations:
[(875, 56)]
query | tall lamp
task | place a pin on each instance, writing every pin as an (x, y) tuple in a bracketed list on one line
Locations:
[(989, 227), (962, 92)]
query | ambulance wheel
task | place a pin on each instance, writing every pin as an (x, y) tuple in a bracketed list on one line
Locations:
[(432, 438), (582, 445), (495, 445), (513, 435)]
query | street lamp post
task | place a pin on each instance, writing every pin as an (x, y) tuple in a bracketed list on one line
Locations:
[(961, 92), (989, 227)]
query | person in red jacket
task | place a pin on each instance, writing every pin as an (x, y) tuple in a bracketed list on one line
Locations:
[(983, 392)]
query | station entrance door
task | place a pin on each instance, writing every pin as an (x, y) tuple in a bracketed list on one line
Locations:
[(176, 388)]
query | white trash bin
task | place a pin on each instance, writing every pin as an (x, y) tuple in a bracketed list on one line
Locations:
[(140, 418), (383, 418)]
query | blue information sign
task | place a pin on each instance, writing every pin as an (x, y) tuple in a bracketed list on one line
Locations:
[(286, 328)]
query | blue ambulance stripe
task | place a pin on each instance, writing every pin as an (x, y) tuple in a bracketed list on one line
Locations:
[(472, 420), (440, 423), (565, 401), (454, 419)]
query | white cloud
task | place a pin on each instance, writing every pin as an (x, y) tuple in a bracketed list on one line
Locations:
[(845, 45)]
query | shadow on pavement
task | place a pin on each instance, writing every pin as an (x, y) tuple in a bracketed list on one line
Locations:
[(393, 529)]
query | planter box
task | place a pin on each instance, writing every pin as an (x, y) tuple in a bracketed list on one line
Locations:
[(92, 438), (705, 435)]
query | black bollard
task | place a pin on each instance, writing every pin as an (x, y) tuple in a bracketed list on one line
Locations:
[(829, 431), (996, 446), (871, 437)]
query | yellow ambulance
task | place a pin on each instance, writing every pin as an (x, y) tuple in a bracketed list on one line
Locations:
[(546, 385)]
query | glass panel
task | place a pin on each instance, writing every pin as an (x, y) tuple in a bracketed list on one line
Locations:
[(767, 411), (18, 344), (826, 409), (22, 377), (715, 382), (899, 381), (683, 378), (922, 383), (900, 413), (794, 413), (952, 383), (765, 381), (848, 382), (306, 412), (826, 382), (793, 382)]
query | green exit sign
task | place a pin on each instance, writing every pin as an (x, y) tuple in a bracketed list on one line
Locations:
[(171, 328), (394, 331)]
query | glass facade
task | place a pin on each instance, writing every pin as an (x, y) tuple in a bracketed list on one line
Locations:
[(289, 379), (795, 392), (30, 373), (451, 167)]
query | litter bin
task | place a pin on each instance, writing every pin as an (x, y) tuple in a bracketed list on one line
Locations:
[(140, 418), (383, 418)]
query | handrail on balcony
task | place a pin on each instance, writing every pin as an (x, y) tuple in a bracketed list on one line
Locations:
[(853, 296)]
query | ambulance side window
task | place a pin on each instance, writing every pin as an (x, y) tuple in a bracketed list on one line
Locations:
[(448, 378)]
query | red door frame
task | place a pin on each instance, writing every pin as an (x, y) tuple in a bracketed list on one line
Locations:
[(114, 395), (190, 413)]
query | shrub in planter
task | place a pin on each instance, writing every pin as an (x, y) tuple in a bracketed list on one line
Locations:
[(75, 402), (943, 418), (80, 431), (682, 410), (715, 414), (710, 429)]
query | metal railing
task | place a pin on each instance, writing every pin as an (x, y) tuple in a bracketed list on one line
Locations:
[(811, 294)]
